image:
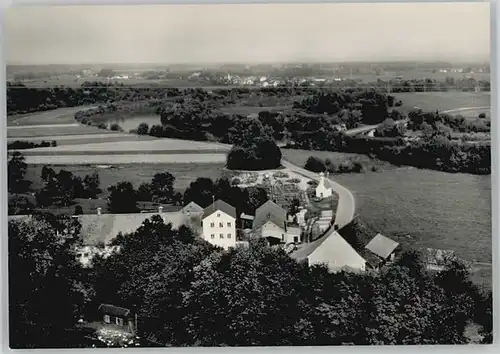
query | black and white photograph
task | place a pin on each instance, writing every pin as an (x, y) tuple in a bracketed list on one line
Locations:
[(249, 175)]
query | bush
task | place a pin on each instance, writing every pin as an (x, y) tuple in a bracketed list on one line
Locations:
[(143, 129), (78, 210), (235, 181), (482, 115), (115, 127), (315, 164)]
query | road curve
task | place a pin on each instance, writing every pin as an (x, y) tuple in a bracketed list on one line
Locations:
[(346, 206)]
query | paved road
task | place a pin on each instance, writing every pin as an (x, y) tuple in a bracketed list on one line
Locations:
[(346, 205), (367, 128), (465, 109)]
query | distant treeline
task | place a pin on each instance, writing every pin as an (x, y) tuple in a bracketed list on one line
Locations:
[(436, 153), (21, 145)]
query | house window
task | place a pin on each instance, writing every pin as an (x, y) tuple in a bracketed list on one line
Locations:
[(228, 235), (119, 321), (213, 235), (212, 224), (295, 239), (228, 224), (221, 236), (218, 215), (282, 237), (221, 224), (106, 319)]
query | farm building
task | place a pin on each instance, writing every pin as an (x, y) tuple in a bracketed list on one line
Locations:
[(324, 188), (219, 224), (383, 247), (98, 230), (118, 317), (270, 222), (333, 251), (192, 207)]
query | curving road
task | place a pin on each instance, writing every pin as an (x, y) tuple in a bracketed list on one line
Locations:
[(346, 206)]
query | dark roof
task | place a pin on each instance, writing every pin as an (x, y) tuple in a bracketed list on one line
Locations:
[(270, 211), (222, 206), (192, 207), (114, 310), (382, 246)]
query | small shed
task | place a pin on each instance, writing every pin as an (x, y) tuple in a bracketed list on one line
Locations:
[(118, 316), (383, 247)]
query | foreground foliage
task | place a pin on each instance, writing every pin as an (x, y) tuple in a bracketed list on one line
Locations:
[(187, 292)]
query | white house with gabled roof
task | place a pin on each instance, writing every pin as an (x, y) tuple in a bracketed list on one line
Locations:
[(219, 224), (324, 188)]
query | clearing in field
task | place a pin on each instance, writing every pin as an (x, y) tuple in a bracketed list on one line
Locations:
[(124, 159), (145, 146), (443, 101)]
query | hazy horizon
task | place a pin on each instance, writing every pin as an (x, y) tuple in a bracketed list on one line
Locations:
[(248, 34)]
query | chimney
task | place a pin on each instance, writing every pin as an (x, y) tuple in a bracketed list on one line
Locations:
[(99, 211), (160, 209)]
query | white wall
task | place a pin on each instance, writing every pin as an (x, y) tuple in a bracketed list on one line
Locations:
[(322, 191), (270, 229), (211, 226), (336, 253), (289, 236)]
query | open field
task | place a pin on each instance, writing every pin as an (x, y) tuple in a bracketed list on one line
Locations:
[(184, 173), (85, 138), (427, 208), (124, 159), (144, 146), (56, 116), (46, 131), (443, 101)]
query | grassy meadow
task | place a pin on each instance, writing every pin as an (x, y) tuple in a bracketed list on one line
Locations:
[(184, 173), (443, 101)]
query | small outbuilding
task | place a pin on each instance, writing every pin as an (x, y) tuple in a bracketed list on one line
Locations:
[(118, 316), (383, 247)]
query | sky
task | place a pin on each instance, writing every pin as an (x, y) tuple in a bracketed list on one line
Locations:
[(247, 33)]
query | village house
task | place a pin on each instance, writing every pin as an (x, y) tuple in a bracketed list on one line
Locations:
[(324, 188), (192, 208), (219, 224), (98, 230), (118, 317), (384, 248), (270, 222), (333, 251)]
